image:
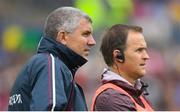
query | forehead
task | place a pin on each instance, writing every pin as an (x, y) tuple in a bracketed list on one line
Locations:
[(84, 25), (135, 39)]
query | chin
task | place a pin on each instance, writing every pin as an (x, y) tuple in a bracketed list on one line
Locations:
[(142, 74)]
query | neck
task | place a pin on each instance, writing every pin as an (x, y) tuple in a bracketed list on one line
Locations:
[(116, 70)]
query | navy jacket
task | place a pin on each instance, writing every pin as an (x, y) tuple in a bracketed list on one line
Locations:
[(46, 81)]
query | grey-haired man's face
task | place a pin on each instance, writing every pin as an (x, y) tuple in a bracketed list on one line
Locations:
[(81, 39)]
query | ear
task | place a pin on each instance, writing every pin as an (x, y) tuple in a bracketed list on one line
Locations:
[(62, 37), (118, 55)]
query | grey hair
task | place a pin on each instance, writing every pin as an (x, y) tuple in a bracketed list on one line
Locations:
[(63, 18)]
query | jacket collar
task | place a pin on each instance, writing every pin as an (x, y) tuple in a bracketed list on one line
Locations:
[(109, 75), (69, 57)]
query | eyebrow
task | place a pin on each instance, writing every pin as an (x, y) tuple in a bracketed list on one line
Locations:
[(87, 32), (143, 47)]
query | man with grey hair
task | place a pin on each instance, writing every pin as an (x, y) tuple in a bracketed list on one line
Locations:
[(47, 80)]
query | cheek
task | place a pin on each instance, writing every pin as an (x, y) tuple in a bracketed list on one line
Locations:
[(134, 57), (132, 62), (131, 59), (74, 42), (78, 46), (73, 45)]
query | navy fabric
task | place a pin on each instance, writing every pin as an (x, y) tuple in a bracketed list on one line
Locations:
[(32, 89)]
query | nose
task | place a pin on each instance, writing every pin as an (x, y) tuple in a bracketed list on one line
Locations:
[(91, 41), (146, 56)]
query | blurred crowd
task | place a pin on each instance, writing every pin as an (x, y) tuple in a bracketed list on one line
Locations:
[(21, 26)]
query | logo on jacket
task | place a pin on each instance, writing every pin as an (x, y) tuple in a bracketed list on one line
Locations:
[(15, 99)]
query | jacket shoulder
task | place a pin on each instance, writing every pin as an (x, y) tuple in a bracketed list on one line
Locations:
[(118, 101)]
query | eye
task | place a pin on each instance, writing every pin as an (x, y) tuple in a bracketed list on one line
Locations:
[(86, 34), (141, 49)]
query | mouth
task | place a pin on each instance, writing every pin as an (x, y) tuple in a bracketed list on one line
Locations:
[(143, 65), (87, 52)]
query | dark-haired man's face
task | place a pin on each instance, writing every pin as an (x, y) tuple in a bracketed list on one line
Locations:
[(135, 56)]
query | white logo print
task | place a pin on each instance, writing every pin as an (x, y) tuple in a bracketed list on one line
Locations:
[(16, 98)]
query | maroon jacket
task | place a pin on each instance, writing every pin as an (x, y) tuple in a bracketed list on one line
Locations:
[(112, 100)]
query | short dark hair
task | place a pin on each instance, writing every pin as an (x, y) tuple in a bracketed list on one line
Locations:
[(115, 38)]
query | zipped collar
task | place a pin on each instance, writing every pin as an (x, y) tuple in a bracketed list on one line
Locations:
[(109, 75), (69, 57)]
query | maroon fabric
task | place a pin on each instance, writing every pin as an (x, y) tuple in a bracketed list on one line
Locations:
[(112, 100)]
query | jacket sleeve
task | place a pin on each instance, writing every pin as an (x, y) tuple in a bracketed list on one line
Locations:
[(48, 91)]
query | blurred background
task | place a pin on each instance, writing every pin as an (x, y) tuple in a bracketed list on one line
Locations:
[(21, 27)]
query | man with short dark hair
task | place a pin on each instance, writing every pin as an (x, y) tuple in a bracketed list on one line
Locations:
[(47, 80), (125, 52)]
